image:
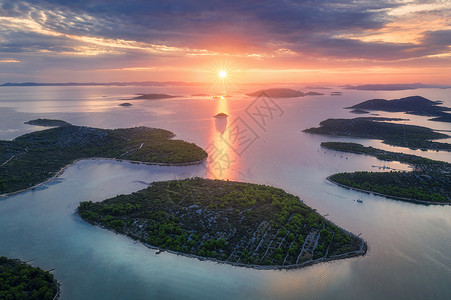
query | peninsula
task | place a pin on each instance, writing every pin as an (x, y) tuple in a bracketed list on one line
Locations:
[(410, 136), (282, 93), (35, 157), (429, 182), (231, 222), (415, 105), (19, 280)]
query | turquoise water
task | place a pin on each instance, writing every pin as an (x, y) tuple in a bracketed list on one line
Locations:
[(409, 244)]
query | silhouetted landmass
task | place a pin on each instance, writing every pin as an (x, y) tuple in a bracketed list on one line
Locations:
[(154, 96), (125, 104), (47, 123), (359, 111), (231, 222), (127, 83), (21, 281), (221, 115), (394, 87), (200, 95), (415, 137), (415, 105), (282, 93), (35, 157), (429, 182)]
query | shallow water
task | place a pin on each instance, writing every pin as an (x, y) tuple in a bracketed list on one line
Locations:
[(409, 243)]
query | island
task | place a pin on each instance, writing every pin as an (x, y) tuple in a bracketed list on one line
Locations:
[(19, 280), (415, 105), (200, 95), (359, 111), (230, 222), (125, 104), (47, 123), (221, 115), (32, 158), (282, 93), (429, 182), (395, 87), (153, 97), (410, 136)]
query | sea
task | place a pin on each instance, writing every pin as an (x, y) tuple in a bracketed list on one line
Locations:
[(261, 141)]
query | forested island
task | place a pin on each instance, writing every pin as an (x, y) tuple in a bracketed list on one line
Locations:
[(153, 97), (48, 122), (415, 105), (429, 182), (19, 280), (231, 222), (35, 157), (410, 136), (282, 93)]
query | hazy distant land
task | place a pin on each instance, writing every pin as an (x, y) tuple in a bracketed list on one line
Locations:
[(35, 157), (282, 93), (231, 222), (395, 87), (153, 96)]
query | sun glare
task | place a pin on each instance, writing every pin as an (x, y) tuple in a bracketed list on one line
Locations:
[(222, 74)]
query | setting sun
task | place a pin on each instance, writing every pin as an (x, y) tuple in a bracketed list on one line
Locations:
[(222, 74)]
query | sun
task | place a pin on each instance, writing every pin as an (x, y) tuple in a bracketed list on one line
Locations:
[(222, 74)]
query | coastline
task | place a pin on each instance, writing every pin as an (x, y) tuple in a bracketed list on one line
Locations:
[(361, 252), (61, 171), (389, 196)]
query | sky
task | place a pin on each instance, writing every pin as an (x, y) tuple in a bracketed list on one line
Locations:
[(342, 42)]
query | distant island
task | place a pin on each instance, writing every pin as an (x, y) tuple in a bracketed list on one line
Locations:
[(429, 182), (359, 111), (410, 136), (19, 280), (395, 87), (47, 123), (231, 222), (221, 115), (153, 96), (125, 104), (200, 95), (282, 93), (115, 83), (33, 158), (415, 105)]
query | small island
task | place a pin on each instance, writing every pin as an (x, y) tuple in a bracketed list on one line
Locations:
[(359, 111), (429, 182), (47, 123), (410, 136), (32, 158), (125, 104), (221, 115), (19, 280), (415, 105), (231, 222), (153, 97), (282, 93)]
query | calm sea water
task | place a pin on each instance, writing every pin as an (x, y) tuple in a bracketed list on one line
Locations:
[(409, 243)]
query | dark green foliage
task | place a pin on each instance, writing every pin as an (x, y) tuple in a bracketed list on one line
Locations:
[(228, 221), (33, 158), (410, 136), (21, 281), (431, 180)]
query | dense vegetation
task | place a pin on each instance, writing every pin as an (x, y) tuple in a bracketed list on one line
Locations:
[(430, 181), (47, 122), (415, 105), (33, 158), (21, 281), (411, 136), (229, 221)]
